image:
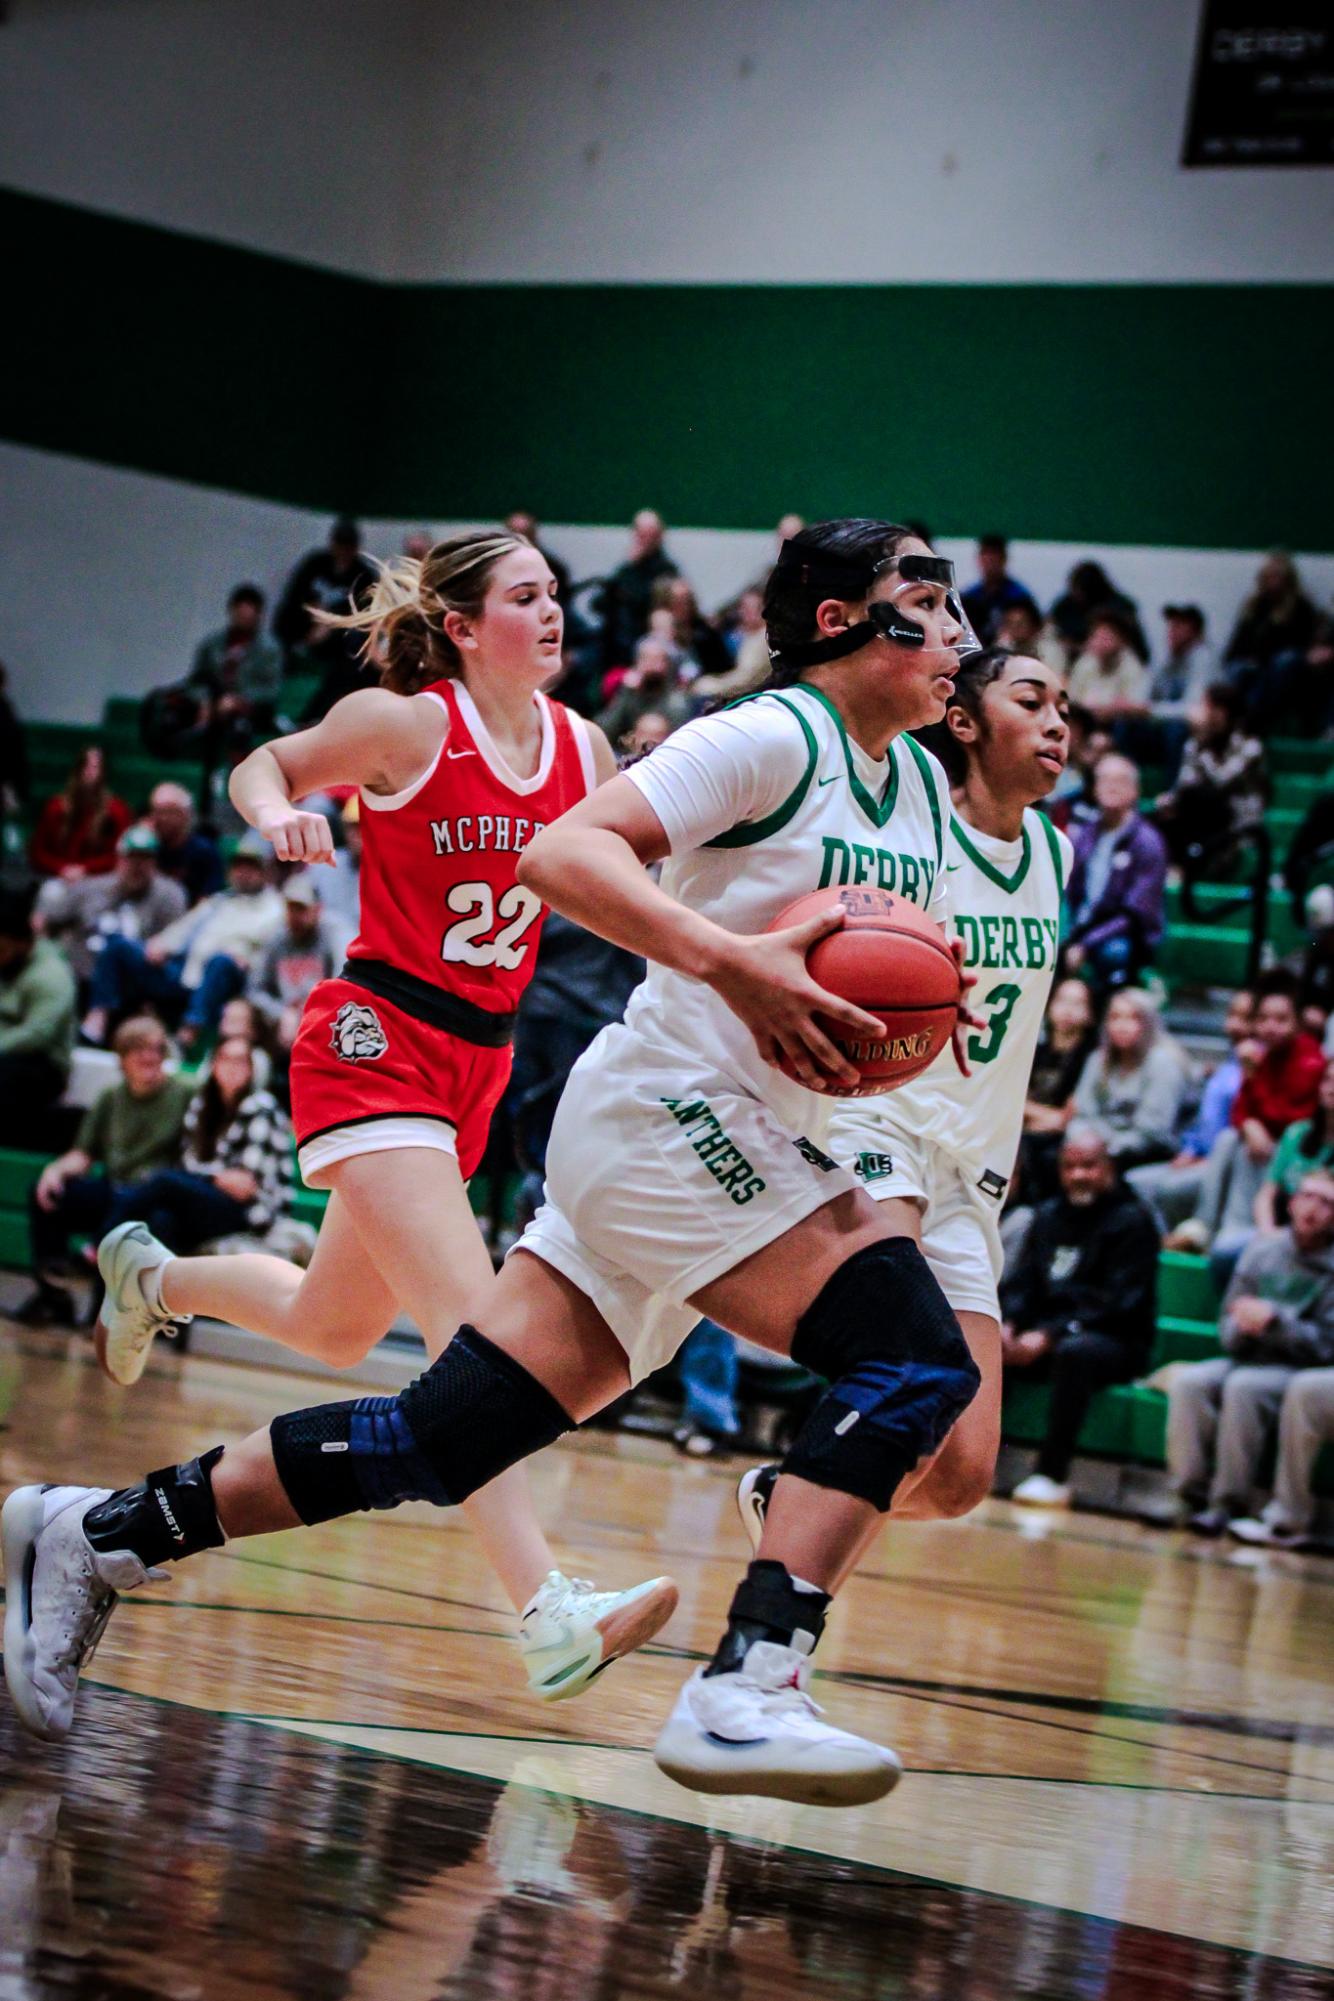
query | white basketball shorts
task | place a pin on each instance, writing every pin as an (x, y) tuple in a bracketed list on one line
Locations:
[(662, 1174)]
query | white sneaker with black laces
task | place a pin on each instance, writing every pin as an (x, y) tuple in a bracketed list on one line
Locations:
[(127, 1325), (758, 1731), (570, 1631), (59, 1594)]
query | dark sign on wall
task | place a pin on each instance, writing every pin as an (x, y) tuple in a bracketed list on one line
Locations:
[(1263, 92)]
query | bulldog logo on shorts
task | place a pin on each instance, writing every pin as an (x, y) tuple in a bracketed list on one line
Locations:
[(357, 1036)]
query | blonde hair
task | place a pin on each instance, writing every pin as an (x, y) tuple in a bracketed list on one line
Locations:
[(141, 1031), (403, 620)]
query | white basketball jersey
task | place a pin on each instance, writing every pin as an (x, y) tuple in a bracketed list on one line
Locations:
[(1005, 907), (848, 819)]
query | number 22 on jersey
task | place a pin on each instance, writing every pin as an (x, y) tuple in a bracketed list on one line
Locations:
[(467, 942)]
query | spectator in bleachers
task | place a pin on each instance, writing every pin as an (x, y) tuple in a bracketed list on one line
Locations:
[(695, 637), (341, 885), (1088, 591), (13, 754), (1299, 692), (1133, 1083), (37, 1010), (996, 592), (1305, 1426), (77, 830), (235, 1171), (129, 1132), (652, 729), (136, 902), (1116, 895), (417, 544), (1303, 1146), (1277, 1318), (1276, 623), (239, 1021), (1078, 1305), (1280, 1085), (521, 522), (1176, 688), (747, 646), (1173, 1188), (1109, 678), (627, 595), (309, 948), (1069, 1036), (707, 1369), (1071, 802), (184, 854), (197, 963), (648, 685), (1023, 629), (1312, 851), (333, 578), (237, 676), (1221, 787)]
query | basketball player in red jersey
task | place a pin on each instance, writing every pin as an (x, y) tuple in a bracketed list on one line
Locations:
[(400, 1062)]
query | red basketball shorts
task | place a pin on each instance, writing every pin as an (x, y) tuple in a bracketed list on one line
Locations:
[(366, 1077)]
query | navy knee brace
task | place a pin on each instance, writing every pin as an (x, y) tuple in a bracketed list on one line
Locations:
[(899, 1371), (475, 1412)]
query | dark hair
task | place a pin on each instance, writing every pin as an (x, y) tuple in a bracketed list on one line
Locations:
[(1223, 695), (1090, 582), (247, 594), (996, 542), (345, 533), (1280, 982), (976, 672), (214, 1114), (1115, 616), (16, 912), (790, 604)]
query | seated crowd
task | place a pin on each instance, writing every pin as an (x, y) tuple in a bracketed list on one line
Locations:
[(164, 938)]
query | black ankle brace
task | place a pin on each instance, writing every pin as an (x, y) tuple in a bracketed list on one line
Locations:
[(167, 1516), (768, 1606)]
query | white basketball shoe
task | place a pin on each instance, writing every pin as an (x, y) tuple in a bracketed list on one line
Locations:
[(59, 1594), (127, 1325), (758, 1731), (570, 1631)]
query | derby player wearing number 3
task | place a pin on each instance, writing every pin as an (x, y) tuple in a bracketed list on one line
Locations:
[(400, 1062)]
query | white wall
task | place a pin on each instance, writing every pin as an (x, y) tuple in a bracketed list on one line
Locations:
[(108, 579), (631, 140)]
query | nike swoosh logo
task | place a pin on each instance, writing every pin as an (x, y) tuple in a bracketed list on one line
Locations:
[(460, 753), (952, 868), (827, 781)]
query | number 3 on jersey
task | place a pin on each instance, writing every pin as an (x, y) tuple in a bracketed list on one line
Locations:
[(467, 942), (1001, 1001)]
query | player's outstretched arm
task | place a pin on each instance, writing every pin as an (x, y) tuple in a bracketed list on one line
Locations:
[(590, 865)]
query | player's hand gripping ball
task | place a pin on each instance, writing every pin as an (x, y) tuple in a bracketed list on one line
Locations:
[(890, 958)]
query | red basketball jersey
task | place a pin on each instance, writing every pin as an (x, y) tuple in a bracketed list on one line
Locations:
[(439, 898)]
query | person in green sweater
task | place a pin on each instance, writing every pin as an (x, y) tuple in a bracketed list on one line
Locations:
[(131, 1131), (1301, 1148), (37, 1007)]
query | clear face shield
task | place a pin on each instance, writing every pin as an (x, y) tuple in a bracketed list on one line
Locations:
[(896, 623), (887, 617)]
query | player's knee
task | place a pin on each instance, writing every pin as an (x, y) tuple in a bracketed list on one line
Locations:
[(960, 1481), (471, 1415), (341, 1346), (900, 1372)]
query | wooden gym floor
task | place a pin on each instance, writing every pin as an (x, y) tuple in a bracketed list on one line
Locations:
[(310, 1766)]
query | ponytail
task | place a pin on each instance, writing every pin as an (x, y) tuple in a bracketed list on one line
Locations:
[(403, 618)]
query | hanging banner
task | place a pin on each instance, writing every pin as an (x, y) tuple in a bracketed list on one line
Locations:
[(1263, 90)]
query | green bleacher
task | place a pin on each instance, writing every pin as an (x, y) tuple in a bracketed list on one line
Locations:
[(1128, 1423)]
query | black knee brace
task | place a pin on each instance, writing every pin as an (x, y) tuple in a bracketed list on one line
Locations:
[(883, 1334), (473, 1413)]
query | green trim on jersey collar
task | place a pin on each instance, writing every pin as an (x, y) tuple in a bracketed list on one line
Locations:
[(877, 812), (1009, 883), (923, 763), (1054, 848), (751, 831)]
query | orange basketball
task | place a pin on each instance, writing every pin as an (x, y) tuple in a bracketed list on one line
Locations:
[(890, 958)]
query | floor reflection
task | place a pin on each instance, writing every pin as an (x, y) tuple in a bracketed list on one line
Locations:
[(170, 1853)]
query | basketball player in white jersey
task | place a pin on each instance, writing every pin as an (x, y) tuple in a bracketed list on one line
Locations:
[(946, 1142), (685, 1176)]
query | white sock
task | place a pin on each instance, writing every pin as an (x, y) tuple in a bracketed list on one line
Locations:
[(800, 1584), (150, 1284)]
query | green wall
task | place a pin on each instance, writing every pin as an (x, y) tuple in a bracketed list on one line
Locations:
[(1187, 415)]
